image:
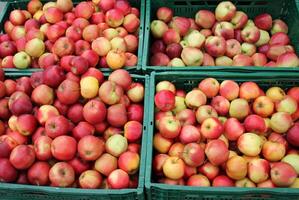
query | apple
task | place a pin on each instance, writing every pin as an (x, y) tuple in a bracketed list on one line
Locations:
[(176, 149), (7, 144), (211, 128), (224, 29), (129, 162), (47, 59), (239, 20), (255, 124), (38, 173), (215, 46), (233, 129), (277, 50), (165, 85), (118, 179), (53, 15), (279, 26), (292, 159), (273, 151), (159, 59), (165, 100), (68, 92), (136, 92), (90, 179), (162, 144), (263, 21), (21, 60), (222, 181), (88, 10), (165, 14), (292, 136), (26, 124), (288, 59), (198, 180), (281, 122), (173, 168), (94, 111), (42, 148), (275, 94), (169, 127), (245, 182), (223, 61), (22, 157), (204, 112), (105, 164), (288, 104), (56, 126), (61, 174), (279, 38), (282, 174), (7, 171), (258, 170), (233, 48), (7, 48), (195, 98), (209, 86), (250, 34), (64, 147), (193, 155), (229, 89), (171, 36), (220, 104), (216, 152), (131, 23), (250, 144), (225, 11), (239, 108), (205, 19), (263, 106), (90, 147), (116, 145), (236, 167), (42, 95), (259, 59), (45, 112)]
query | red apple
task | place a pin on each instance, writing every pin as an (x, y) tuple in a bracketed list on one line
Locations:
[(22, 157), (118, 179), (38, 173), (7, 172), (216, 152), (61, 174), (94, 111), (263, 21), (90, 147), (64, 147)]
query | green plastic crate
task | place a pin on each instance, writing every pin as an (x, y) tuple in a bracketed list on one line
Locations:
[(22, 4), (187, 81), (11, 191), (283, 9)]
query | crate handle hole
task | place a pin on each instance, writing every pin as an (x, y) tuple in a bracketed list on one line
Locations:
[(180, 3), (261, 3)]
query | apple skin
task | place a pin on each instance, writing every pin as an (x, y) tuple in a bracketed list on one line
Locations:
[(129, 162), (26, 124), (180, 25), (7, 144), (114, 17), (7, 172), (282, 174), (216, 152), (239, 108), (162, 144), (22, 157), (61, 174), (64, 147), (250, 144), (281, 122), (233, 129), (287, 59), (63, 47), (42, 148), (193, 155), (209, 86), (82, 129), (94, 145), (273, 151), (239, 20), (204, 112), (176, 149), (118, 179), (258, 170), (220, 104), (171, 36), (292, 159), (133, 131), (222, 181)]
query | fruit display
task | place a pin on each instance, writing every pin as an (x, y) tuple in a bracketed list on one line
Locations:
[(65, 130), (103, 34), (225, 133), (224, 36)]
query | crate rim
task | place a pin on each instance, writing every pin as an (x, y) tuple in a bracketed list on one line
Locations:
[(219, 190), (138, 192)]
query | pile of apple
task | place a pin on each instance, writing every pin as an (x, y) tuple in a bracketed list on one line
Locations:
[(74, 131), (226, 135), (226, 38), (103, 32)]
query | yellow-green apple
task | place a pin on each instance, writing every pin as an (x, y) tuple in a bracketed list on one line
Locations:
[(17, 33), (250, 34), (158, 28), (42, 148), (239, 20), (229, 89), (263, 21), (179, 104), (118, 179), (204, 112), (209, 86), (225, 11), (288, 59), (45, 112), (233, 48), (21, 60), (38, 173), (292, 159), (288, 104), (275, 94), (248, 49), (165, 14), (283, 174), (245, 182), (173, 168), (223, 181), (22, 157), (258, 170), (292, 135), (205, 19), (211, 128), (236, 168), (194, 39), (186, 117), (90, 179), (217, 152), (215, 46), (263, 106), (193, 155), (110, 92), (165, 85), (176, 149), (279, 26), (118, 43), (192, 56), (250, 144), (110, 33), (259, 59), (64, 5), (255, 124), (224, 29), (221, 105), (68, 92), (198, 180), (239, 108), (162, 144), (195, 98), (64, 147), (295, 184), (263, 40), (174, 50), (105, 164), (169, 127), (233, 129), (62, 174), (209, 170), (223, 61), (281, 122), (116, 145)]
